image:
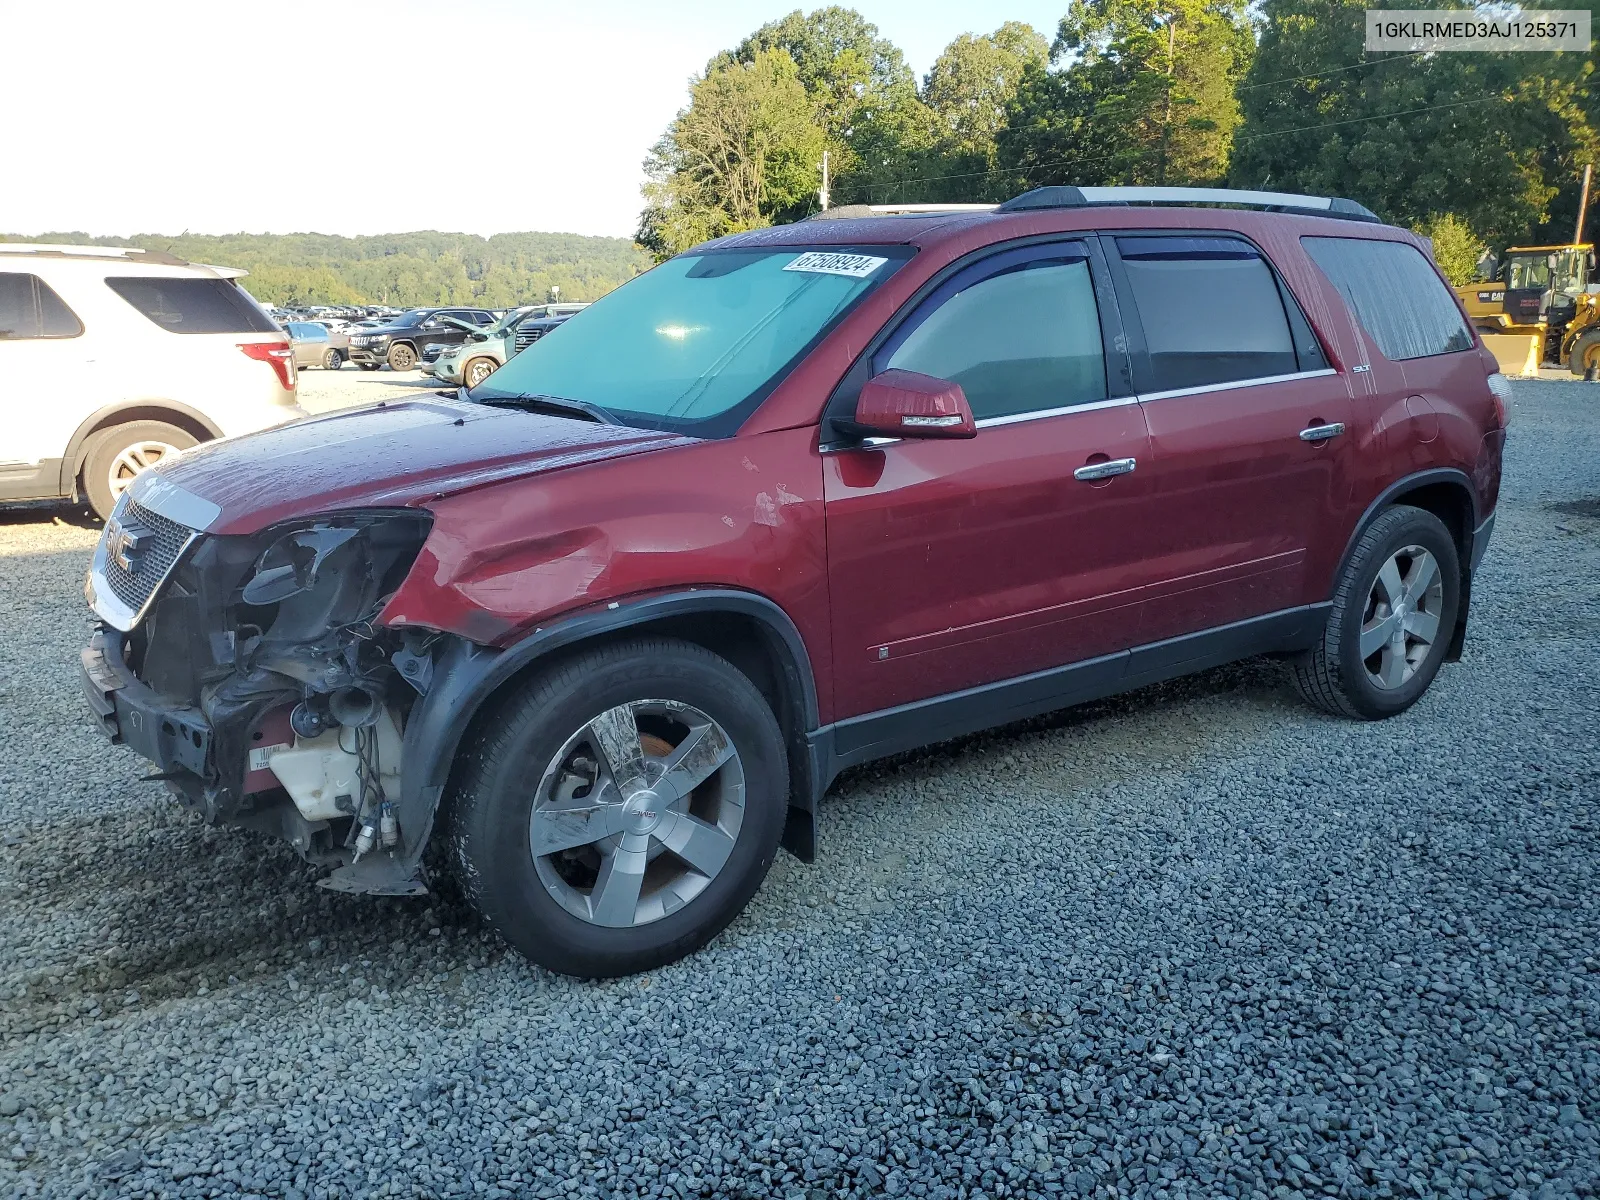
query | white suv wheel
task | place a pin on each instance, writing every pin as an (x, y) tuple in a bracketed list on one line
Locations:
[(132, 460)]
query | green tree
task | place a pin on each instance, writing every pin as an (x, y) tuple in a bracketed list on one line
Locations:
[(745, 150), (402, 268), (1497, 139), (1455, 247), (1140, 92), (968, 92), (862, 93)]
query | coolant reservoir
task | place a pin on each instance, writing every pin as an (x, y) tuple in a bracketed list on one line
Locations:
[(322, 774)]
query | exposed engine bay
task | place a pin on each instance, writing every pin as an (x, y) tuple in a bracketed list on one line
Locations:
[(283, 703)]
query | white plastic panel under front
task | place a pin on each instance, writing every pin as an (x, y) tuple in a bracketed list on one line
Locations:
[(322, 774)]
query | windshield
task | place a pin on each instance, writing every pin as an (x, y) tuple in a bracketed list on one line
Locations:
[(1528, 271), (697, 343)]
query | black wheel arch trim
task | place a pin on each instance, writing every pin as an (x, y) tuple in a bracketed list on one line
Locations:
[(466, 675), (1410, 483), (1475, 536), (77, 446)]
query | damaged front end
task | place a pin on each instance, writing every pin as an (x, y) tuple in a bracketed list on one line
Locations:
[(252, 672)]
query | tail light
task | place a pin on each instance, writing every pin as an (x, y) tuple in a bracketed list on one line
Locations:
[(1500, 389), (276, 355)]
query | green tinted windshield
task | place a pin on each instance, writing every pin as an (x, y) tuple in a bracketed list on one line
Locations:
[(697, 343)]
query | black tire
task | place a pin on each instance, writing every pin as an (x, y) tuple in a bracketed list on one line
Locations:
[(332, 360), (369, 366), (402, 356), (1585, 352), (1332, 676), (110, 445), (475, 366), (494, 789)]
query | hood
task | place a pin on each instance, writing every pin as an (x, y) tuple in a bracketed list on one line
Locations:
[(390, 455)]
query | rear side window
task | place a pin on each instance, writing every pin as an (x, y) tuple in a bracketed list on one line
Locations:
[(193, 305), (1210, 309), (1395, 293), (30, 309), (1019, 332)]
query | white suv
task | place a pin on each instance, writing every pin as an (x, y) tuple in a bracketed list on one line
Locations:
[(113, 358)]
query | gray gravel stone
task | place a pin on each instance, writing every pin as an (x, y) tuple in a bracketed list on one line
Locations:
[(1194, 942)]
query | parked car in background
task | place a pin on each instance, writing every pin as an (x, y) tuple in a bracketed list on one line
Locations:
[(114, 359), (400, 342), (472, 361), (317, 346), (793, 501)]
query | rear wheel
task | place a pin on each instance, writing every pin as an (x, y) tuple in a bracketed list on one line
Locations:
[(477, 371), (119, 454), (1585, 355), (402, 357), (622, 808), (332, 360), (1393, 615)]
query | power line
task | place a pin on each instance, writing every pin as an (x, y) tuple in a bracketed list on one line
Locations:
[(1371, 62)]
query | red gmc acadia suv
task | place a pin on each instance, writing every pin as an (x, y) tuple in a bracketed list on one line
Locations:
[(608, 624)]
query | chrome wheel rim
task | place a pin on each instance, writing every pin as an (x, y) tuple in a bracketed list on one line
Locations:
[(140, 456), (1401, 622), (637, 813)]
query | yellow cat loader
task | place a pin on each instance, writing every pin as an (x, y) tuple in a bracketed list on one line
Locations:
[(1537, 307)]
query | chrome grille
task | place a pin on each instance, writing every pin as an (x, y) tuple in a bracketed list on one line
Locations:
[(431, 352), (136, 554), (527, 337)]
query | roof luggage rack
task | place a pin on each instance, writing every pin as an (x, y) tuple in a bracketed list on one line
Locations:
[(844, 212), (1089, 197)]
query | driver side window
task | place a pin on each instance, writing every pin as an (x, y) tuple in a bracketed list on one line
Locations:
[(1020, 332)]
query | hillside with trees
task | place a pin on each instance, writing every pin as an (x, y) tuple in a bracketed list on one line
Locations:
[(403, 269), (1470, 148)]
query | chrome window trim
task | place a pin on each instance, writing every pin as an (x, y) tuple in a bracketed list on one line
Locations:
[(1231, 384), (1041, 413), (1114, 402)]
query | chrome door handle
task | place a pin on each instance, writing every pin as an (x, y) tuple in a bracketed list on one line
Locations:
[(1105, 470), (1321, 433)]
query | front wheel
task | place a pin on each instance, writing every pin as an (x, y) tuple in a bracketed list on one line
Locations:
[(1585, 355), (402, 357), (118, 455), (1393, 615), (477, 371), (622, 808)]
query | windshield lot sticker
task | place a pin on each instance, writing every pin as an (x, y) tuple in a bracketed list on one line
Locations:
[(817, 262)]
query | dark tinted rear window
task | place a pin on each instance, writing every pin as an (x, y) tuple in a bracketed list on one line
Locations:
[(1396, 294), (193, 305), (30, 309), (1210, 310)]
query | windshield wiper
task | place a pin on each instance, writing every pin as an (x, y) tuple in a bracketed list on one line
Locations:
[(537, 402)]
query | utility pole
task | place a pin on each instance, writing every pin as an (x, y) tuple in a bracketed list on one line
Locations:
[(1583, 202), (823, 194), (1166, 120)]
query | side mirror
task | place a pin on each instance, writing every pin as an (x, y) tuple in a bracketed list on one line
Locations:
[(908, 404)]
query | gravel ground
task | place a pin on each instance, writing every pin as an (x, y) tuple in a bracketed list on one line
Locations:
[(1196, 941), (320, 391)]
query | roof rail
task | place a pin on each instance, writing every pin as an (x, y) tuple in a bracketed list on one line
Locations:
[(68, 251), (845, 212), (1076, 197)]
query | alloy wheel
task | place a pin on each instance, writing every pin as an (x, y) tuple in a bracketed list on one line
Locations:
[(132, 460), (637, 813), (478, 372), (1401, 622)]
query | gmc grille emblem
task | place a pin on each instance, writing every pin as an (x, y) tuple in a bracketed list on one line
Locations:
[(128, 544)]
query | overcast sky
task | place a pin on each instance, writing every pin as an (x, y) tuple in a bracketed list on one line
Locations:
[(216, 116)]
